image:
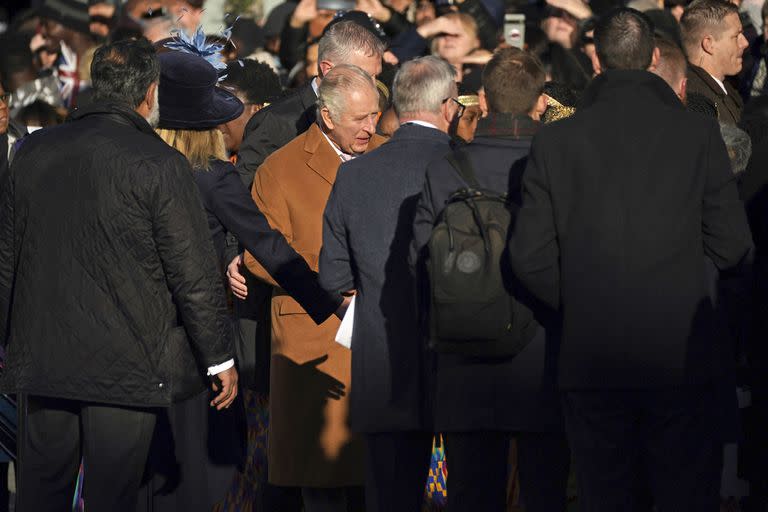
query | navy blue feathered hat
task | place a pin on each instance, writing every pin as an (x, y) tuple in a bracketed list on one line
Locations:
[(189, 98)]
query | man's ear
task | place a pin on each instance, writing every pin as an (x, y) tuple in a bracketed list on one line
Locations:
[(447, 111), (149, 98), (596, 67), (655, 57), (539, 107), (483, 101), (323, 67), (708, 44), (325, 115), (682, 91)]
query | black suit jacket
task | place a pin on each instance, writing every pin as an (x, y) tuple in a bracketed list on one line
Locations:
[(273, 127), (622, 203)]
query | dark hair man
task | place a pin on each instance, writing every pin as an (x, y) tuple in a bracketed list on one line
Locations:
[(367, 229), (714, 43), (256, 85), (615, 233), (671, 66), (108, 286), (478, 431)]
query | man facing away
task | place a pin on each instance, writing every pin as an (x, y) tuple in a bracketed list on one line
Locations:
[(367, 231), (622, 204), (108, 286), (714, 43), (482, 402)]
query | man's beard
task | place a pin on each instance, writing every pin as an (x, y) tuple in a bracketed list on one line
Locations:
[(154, 114)]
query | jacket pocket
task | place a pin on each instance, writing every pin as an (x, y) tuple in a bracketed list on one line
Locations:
[(288, 306)]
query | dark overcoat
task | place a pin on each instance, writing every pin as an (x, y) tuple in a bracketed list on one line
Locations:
[(367, 232), (622, 204)]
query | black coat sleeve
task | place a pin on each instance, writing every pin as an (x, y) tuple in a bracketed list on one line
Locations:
[(7, 252), (182, 238), (534, 250), (264, 134), (235, 208), (335, 263), (727, 239)]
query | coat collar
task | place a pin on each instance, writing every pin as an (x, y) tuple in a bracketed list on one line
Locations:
[(509, 126), (411, 131), (629, 85), (322, 157), (117, 113), (710, 82)]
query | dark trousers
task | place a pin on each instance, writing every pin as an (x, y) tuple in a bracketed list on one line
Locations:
[(113, 442), (628, 445), (478, 464), (396, 470), (333, 499)]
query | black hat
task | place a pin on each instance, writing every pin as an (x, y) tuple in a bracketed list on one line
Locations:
[(72, 14), (363, 19), (189, 98)]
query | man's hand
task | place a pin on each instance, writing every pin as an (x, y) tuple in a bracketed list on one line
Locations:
[(236, 279), (228, 392), (375, 9), (343, 308), (305, 11), (576, 8), (440, 25)]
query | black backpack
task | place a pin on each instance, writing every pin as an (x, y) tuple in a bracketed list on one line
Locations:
[(472, 311)]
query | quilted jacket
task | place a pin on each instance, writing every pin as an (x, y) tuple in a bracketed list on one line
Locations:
[(108, 277)]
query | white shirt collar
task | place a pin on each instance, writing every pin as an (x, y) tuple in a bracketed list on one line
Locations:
[(421, 123), (343, 156), (315, 85), (720, 83)]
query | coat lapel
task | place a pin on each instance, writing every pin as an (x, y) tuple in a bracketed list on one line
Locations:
[(322, 158)]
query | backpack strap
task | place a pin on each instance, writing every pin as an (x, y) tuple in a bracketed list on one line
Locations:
[(460, 161)]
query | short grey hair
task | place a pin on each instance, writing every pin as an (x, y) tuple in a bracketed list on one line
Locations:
[(338, 84), (421, 85), (739, 146), (347, 38)]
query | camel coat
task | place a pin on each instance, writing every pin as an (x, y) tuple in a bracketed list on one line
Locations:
[(310, 443)]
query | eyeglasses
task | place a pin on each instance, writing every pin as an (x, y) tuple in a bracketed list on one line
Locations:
[(459, 105), (5, 97)]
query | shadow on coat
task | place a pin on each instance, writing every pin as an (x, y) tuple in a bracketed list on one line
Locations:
[(398, 305)]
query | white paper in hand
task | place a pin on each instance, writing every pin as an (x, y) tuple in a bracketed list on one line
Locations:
[(344, 334)]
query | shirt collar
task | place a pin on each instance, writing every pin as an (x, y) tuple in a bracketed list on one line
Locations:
[(345, 157), (315, 85), (421, 123), (719, 82)]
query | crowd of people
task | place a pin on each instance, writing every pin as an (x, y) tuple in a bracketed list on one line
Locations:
[(391, 257)]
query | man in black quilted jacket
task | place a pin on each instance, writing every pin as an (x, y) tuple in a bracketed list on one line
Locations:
[(111, 305)]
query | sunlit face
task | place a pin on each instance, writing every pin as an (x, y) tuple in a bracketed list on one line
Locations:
[(351, 130), (728, 48), (453, 47)]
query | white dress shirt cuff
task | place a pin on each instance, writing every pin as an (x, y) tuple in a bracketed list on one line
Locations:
[(226, 365)]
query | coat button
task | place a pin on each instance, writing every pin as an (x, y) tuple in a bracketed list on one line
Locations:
[(160, 385)]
